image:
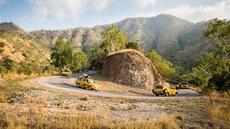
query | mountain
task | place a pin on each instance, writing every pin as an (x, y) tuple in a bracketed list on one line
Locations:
[(21, 47), (177, 40)]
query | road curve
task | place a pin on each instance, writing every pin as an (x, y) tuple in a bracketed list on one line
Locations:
[(67, 84)]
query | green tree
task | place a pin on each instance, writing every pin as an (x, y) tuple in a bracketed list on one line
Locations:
[(80, 61), (164, 67), (95, 53), (132, 45), (61, 55), (204, 71), (219, 30), (8, 64), (113, 39), (213, 70)]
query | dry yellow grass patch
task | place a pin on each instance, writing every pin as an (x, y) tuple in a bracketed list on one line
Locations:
[(106, 85)]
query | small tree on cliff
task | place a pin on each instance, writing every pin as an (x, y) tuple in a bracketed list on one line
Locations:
[(113, 39), (132, 45)]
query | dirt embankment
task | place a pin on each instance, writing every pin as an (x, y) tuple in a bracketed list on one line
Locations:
[(131, 68)]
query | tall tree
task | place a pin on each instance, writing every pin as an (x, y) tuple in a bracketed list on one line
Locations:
[(219, 30), (61, 56), (113, 39), (213, 71), (163, 66), (205, 70), (80, 61)]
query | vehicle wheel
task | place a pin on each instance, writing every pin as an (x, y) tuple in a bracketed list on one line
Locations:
[(157, 94), (166, 92), (90, 88), (153, 91), (78, 85)]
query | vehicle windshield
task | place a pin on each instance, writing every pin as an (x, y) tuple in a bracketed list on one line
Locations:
[(159, 87), (172, 87), (184, 83), (91, 81)]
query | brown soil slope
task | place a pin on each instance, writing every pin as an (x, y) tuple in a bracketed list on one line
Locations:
[(131, 68)]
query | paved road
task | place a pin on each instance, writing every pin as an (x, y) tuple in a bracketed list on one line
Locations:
[(67, 84)]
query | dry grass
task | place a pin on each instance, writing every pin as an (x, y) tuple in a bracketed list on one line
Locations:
[(39, 112), (127, 50), (3, 97), (36, 118), (85, 98), (219, 112), (107, 85)]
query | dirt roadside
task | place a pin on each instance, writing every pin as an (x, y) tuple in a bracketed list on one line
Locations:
[(67, 84)]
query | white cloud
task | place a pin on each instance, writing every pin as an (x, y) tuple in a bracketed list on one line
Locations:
[(195, 14), (145, 3), (61, 9), (100, 5), (2, 2)]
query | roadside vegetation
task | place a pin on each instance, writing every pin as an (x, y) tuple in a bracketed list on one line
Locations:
[(212, 72)]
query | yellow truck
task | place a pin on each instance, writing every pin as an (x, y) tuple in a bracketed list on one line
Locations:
[(86, 82), (164, 89)]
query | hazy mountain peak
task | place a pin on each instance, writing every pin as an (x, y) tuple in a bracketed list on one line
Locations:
[(10, 27)]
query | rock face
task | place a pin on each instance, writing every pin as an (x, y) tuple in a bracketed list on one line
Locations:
[(131, 68)]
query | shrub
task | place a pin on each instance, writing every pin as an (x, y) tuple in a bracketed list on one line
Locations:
[(1, 50), (24, 69), (2, 44)]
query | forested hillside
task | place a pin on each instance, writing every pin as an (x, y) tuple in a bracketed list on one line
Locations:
[(177, 40)]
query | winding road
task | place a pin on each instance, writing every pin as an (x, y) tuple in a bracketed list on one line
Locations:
[(67, 84)]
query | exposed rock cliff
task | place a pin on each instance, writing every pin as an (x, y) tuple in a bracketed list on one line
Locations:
[(131, 68)]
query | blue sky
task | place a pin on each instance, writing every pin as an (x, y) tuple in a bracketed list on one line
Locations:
[(62, 14)]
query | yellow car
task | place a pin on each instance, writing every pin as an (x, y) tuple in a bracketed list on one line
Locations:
[(86, 82), (66, 73), (164, 89)]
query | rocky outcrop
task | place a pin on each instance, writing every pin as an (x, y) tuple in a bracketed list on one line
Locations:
[(131, 68)]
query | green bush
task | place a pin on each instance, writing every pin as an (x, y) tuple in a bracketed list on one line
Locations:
[(24, 69), (2, 44), (1, 50), (132, 45), (164, 67)]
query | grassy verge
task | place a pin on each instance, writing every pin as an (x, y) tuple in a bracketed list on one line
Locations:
[(38, 119)]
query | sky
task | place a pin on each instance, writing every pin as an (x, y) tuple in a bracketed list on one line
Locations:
[(62, 14)]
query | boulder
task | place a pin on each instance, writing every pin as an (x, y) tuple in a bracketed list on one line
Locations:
[(132, 68)]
